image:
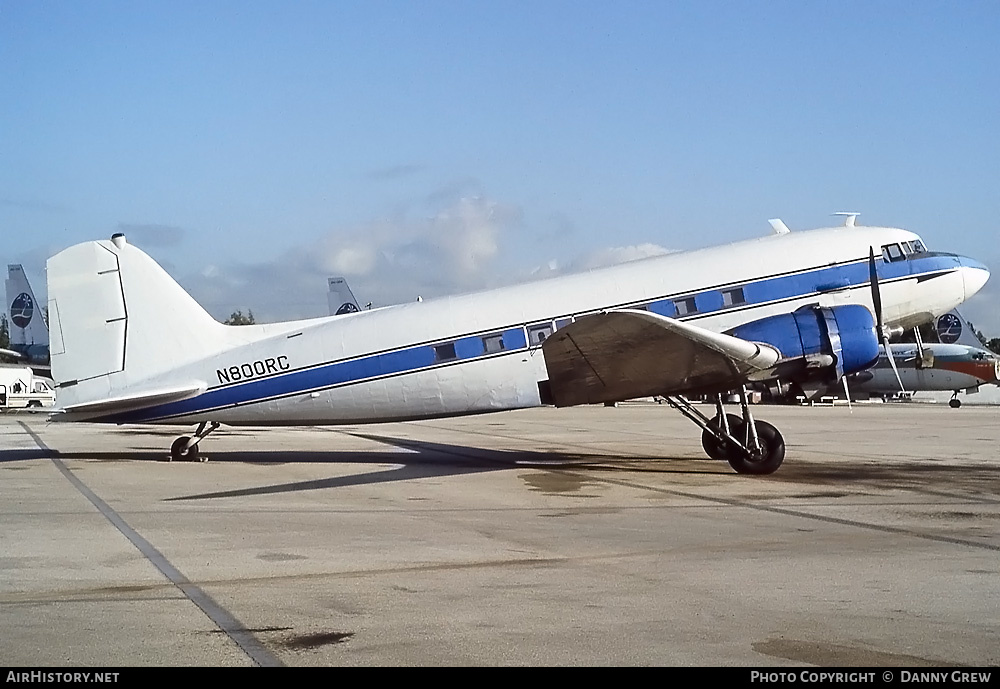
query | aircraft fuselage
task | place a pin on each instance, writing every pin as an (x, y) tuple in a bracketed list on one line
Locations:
[(481, 352)]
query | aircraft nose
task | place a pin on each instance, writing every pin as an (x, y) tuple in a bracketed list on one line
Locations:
[(974, 274)]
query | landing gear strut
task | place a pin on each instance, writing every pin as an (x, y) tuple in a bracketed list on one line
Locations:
[(185, 448), (750, 447)]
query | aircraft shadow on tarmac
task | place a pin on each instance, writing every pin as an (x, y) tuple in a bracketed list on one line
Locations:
[(422, 459), (419, 459), (24, 455)]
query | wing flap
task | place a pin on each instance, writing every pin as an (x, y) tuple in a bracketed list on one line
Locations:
[(624, 354)]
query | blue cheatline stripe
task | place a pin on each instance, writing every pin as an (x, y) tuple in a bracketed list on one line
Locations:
[(420, 357), (798, 285), (323, 377)]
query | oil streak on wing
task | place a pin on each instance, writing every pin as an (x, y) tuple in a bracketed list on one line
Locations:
[(624, 354)]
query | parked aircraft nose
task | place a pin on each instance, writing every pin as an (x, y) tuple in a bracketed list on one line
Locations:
[(974, 274)]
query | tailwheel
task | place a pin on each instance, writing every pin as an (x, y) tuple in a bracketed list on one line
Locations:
[(186, 447), (179, 450), (715, 447), (764, 460)]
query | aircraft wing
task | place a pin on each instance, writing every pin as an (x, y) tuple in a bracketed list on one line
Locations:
[(624, 354)]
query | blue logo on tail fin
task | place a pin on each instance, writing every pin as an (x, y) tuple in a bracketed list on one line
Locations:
[(22, 309), (949, 328)]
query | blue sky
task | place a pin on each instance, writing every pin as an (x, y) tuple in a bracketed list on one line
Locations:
[(254, 148)]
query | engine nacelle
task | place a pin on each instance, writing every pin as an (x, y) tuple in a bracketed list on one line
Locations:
[(843, 337)]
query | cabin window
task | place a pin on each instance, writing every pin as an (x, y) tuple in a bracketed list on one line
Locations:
[(444, 352), (538, 333), (685, 306), (664, 307), (918, 246), (563, 322), (733, 297), (493, 343)]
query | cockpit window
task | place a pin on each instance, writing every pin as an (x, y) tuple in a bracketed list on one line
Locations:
[(899, 252), (892, 252)]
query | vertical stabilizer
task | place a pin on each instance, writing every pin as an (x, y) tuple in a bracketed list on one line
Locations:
[(28, 333), (952, 328), (341, 298), (118, 319)]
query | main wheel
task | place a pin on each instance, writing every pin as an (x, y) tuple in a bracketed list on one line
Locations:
[(718, 449), (177, 452), (954, 403), (767, 459)]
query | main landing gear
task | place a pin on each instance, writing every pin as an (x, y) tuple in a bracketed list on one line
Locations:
[(954, 402), (185, 448), (750, 447)]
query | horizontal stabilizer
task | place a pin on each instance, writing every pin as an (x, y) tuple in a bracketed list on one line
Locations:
[(624, 354), (136, 400)]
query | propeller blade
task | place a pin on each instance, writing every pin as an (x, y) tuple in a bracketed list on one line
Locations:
[(892, 362), (920, 347), (876, 293), (847, 394), (883, 332)]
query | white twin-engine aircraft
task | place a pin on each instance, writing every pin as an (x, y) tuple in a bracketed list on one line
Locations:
[(129, 345)]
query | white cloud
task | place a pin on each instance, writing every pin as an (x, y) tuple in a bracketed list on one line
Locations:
[(388, 261), (617, 254), (359, 259), (455, 249), (599, 258)]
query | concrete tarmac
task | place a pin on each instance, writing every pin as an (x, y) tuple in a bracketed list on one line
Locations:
[(589, 536)]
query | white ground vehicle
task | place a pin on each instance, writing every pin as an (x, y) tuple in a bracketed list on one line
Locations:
[(20, 388)]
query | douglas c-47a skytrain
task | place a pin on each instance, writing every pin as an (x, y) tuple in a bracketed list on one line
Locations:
[(129, 345)]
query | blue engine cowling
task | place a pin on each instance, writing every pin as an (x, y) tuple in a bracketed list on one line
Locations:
[(847, 333)]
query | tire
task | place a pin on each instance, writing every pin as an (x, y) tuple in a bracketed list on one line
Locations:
[(768, 459), (34, 404), (715, 448), (954, 403), (177, 452)]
